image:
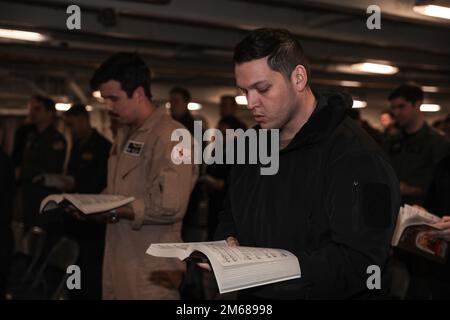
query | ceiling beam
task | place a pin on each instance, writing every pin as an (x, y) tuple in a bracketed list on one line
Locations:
[(162, 36), (247, 15)]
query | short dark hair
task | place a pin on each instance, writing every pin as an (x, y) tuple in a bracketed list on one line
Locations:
[(282, 48), (46, 102), (127, 68), (387, 111), (77, 110), (409, 92), (183, 91)]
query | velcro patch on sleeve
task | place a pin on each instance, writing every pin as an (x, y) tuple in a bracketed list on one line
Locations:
[(376, 205)]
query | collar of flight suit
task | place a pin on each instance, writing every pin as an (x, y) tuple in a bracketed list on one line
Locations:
[(128, 132), (152, 119)]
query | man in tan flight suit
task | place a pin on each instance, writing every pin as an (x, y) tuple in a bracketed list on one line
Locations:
[(140, 165)]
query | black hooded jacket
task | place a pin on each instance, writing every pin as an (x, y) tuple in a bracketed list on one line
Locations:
[(333, 203)]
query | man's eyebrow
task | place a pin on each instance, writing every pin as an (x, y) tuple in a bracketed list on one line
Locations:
[(254, 85)]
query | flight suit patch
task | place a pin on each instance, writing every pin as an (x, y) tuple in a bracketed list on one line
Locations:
[(181, 155), (134, 148)]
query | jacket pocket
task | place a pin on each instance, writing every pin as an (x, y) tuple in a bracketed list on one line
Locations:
[(356, 205), (129, 163), (169, 191)]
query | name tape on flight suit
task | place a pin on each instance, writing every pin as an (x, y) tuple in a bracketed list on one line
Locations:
[(134, 148)]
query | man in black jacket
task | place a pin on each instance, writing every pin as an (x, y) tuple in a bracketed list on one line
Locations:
[(6, 234), (335, 198), (43, 154), (88, 166)]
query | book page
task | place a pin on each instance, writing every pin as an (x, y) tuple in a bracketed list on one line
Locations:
[(228, 256), (50, 202), (238, 267), (178, 250), (398, 227), (417, 215), (411, 216), (169, 250), (94, 203)]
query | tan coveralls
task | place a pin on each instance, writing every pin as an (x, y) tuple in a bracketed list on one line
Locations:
[(140, 165)]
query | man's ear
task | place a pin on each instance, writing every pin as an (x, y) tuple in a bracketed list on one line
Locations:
[(299, 78), (417, 104), (139, 94)]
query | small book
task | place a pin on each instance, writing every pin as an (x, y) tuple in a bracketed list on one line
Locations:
[(235, 268), (411, 234), (86, 203)]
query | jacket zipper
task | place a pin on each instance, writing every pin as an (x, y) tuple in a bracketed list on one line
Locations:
[(355, 216)]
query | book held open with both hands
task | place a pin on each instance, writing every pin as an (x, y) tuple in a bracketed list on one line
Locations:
[(235, 268), (86, 203), (411, 234)]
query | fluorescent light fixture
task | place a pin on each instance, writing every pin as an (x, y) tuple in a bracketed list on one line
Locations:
[(89, 108), (194, 106), (346, 83), (241, 100), (430, 89), (62, 106), (429, 107), (370, 67), (433, 11), (357, 104), (22, 35)]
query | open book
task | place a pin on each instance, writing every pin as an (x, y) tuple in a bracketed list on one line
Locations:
[(86, 203), (236, 268), (411, 234)]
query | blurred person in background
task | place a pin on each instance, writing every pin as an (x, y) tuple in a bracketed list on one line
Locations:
[(88, 168), (228, 108), (387, 123), (44, 153), (416, 149), (6, 202), (179, 100)]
